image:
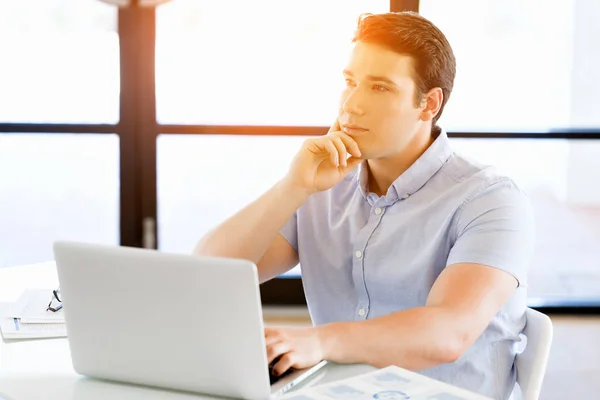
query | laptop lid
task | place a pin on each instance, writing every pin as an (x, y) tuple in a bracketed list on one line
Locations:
[(168, 320)]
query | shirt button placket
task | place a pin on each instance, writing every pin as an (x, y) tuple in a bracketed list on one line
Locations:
[(361, 310)]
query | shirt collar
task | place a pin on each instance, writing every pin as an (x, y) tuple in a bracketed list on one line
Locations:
[(415, 176)]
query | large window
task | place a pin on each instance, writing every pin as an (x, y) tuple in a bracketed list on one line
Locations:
[(148, 125)]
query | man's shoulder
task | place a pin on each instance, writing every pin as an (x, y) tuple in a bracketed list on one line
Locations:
[(474, 176), (462, 168), (483, 187)]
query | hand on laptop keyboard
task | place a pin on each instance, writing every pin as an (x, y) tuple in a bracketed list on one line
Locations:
[(274, 378)]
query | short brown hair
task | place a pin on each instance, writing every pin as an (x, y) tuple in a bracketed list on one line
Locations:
[(411, 34)]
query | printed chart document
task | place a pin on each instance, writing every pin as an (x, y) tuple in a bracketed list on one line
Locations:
[(391, 383), (27, 318)]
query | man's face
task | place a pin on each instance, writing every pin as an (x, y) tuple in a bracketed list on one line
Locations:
[(379, 98)]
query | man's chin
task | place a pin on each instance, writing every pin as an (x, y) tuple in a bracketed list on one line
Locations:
[(369, 154)]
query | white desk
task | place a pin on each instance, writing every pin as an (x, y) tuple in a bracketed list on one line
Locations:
[(41, 369)]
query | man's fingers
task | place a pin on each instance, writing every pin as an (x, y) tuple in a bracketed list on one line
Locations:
[(272, 336), (341, 149), (275, 350), (333, 152), (270, 331), (324, 145), (335, 126), (285, 363), (350, 144)]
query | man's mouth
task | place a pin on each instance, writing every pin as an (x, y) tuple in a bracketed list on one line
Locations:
[(351, 129)]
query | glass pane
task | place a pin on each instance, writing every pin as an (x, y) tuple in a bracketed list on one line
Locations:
[(264, 63), (192, 198), (61, 61), (526, 65), (53, 187), (560, 177)]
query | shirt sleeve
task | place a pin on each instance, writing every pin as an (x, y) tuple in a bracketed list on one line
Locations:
[(496, 227), (290, 231)]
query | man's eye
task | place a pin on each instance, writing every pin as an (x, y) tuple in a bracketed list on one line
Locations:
[(349, 82), (380, 88)]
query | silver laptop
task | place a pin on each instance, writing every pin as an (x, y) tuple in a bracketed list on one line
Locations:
[(168, 320)]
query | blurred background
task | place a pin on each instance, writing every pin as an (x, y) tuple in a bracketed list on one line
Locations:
[(146, 123)]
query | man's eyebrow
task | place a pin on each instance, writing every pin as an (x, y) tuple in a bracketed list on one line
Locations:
[(374, 78)]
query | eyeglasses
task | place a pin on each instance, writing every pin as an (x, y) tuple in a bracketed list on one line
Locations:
[(55, 302)]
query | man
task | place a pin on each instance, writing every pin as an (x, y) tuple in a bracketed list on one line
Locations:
[(411, 255)]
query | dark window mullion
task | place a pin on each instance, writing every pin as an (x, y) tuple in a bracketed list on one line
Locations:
[(56, 128), (321, 130), (129, 211), (567, 134), (137, 127), (147, 125)]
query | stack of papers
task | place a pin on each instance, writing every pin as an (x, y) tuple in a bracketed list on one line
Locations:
[(27, 318), (386, 383)]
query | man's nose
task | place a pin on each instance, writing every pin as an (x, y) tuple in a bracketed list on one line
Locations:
[(353, 102)]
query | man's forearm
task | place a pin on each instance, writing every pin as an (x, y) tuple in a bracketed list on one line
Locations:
[(249, 233), (415, 339)]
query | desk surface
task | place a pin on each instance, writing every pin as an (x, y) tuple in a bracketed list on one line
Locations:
[(41, 369)]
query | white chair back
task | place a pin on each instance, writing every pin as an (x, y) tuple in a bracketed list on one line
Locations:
[(531, 363)]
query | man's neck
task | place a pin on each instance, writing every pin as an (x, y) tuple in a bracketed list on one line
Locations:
[(384, 171)]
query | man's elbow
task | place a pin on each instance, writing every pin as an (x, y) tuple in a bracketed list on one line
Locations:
[(454, 347), (205, 246), (450, 354)]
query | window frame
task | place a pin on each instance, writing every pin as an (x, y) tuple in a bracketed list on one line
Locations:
[(138, 131)]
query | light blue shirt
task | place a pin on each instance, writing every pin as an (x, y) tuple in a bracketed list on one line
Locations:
[(363, 256)]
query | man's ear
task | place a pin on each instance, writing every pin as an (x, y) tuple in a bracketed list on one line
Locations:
[(432, 102)]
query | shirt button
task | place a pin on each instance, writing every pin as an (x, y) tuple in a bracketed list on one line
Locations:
[(358, 254), (361, 312), (378, 211), (405, 196)]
